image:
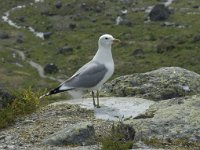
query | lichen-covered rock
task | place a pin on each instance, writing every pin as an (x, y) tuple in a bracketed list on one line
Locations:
[(171, 121), (160, 84), (78, 134)]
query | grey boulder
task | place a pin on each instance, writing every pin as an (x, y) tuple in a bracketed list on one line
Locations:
[(78, 134), (171, 121), (160, 84)]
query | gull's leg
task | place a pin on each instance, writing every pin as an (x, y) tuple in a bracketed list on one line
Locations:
[(94, 104), (98, 99)]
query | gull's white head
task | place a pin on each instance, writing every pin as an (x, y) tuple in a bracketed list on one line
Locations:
[(106, 40)]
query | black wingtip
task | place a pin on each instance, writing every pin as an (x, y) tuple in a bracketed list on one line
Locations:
[(54, 91)]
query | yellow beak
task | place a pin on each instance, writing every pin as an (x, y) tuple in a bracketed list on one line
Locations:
[(116, 41)]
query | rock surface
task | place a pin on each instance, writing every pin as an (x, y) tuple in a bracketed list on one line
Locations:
[(113, 108), (29, 131), (171, 120), (78, 134), (160, 84)]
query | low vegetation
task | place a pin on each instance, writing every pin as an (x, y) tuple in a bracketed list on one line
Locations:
[(120, 138), (23, 103)]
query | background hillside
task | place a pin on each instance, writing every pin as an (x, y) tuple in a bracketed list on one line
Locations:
[(72, 27)]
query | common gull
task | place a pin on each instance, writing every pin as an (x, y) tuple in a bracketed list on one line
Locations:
[(94, 74)]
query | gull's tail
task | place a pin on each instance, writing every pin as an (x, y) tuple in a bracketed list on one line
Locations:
[(55, 91)]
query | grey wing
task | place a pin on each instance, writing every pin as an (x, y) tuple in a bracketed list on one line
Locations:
[(87, 77), (81, 69)]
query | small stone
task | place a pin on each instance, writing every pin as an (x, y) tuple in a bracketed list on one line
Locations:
[(3, 35), (196, 38), (19, 39), (138, 52), (28, 121), (2, 137), (9, 138), (11, 147), (58, 4), (50, 68), (65, 50), (21, 19), (47, 35), (72, 26), (196, 6)]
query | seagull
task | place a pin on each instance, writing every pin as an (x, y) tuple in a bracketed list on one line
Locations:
[(93, 74)]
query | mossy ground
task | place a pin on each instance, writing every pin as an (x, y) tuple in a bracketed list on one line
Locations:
[(83, 38)]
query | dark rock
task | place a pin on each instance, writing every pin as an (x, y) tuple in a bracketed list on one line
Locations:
[(58, 4), (138, 52), (3, 35), (47, 13), (19, 39), (94, 20), (98, 9), (159, 13), (196, 6), (160, 84), (47, 35), (72, 26), (50, 68), (5, 98), (196, 38), (78, 134), (65, 50), (21, 19), (164, 47)]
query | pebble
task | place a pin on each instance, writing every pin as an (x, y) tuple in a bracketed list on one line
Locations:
[(11, 147), (9, 138), (2, 137), (28, 121)]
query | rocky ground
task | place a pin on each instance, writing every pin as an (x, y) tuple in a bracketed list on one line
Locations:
[(169, 124), (43, 41)]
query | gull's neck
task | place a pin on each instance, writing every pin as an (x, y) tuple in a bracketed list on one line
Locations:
[(103, 54)]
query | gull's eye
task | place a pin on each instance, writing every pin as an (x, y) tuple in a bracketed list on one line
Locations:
[(106, 38)]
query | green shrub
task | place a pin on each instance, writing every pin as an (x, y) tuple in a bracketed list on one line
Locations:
[(25, 102)]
